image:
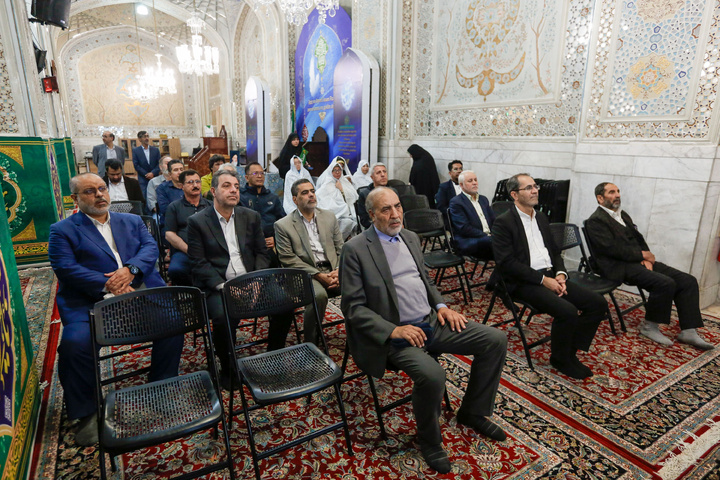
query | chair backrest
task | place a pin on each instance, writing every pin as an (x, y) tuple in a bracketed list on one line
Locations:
[(567, 236), (404, 189), (424, 220), (414, 202), (448, 222), (148, 315), (152, 227), (501, 207), (393, 182), (127, 206), (591, 264), (267, 292)]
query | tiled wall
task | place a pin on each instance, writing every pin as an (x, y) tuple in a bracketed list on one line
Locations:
[(8, 118)]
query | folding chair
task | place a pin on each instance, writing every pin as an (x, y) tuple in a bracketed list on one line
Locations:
[(152, 227), (500, 290), (395, 183), (474, 259), (127, 206), (286, 374), (590, 263), (501, 207), (136, 417), (404, 190), (414, 202)]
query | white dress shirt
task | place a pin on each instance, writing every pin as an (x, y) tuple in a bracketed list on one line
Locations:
[(616, 215), (539, 255), (147, 154), (315, 245), (479, 211), (235, 267), (106, 232), (117, 191), (457, 188)]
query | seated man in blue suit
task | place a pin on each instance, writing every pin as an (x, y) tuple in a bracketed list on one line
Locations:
[(94, 254), (146, 160), (448, 190), (472, 218)]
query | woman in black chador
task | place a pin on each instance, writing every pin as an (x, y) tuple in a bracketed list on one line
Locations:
[(423, 174), (292, 147)]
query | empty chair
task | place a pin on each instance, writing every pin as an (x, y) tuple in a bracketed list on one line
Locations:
[(403, 189), (286, 374), (136, 417), (413, 202)]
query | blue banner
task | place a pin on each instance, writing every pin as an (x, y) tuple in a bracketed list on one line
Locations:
[(348, 85)]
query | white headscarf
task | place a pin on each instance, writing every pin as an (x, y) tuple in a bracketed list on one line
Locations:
[(359, 178), (342, 204), (292, 176)]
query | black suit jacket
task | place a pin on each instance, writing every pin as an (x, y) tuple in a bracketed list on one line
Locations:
[(614, 246), (141, 164), (445, 193), (132, 187), (511, 251), (208, 249)]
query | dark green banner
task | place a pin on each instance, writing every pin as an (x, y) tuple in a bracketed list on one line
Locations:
[(33, 195), (65, 160), (18, 375)]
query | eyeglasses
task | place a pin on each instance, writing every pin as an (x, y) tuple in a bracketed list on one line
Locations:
[(191, 182), (529, 188), (258, 174), (93, 191)]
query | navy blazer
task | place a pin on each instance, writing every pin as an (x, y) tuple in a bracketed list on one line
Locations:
[(466, 222), (80, 257), (140, 162), (445, 193)]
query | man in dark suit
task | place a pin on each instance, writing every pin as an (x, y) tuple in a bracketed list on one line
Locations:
[(379, 176), (472, 218), (224, 242), (448, 190), (106, 151), (146, 160), (310, 239), (94, 254), (394, 314), (533, 270), (120, 186), (622, 255)]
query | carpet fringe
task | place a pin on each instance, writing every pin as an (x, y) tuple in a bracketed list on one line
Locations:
[(690, 453)]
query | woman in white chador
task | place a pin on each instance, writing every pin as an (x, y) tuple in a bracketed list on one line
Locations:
[(296, 172), (336, 193), (361, 177)]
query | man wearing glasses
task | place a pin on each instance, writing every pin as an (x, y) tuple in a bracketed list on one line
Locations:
[(256, 197), (94, 254), (533, 270), (176, 217), (106, 151)]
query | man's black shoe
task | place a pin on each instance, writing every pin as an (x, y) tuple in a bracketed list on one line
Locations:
[(569, 368), (482, 425), (584, 368), (436, 457)]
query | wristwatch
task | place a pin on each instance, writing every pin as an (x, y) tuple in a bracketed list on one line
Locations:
[(133, 269)]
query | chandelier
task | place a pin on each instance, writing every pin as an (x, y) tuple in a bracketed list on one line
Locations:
[(296, 10), (197, 59), (155, 81)]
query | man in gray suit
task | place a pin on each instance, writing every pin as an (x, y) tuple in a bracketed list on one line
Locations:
[(106, 151), (310, 239), (393, 314)]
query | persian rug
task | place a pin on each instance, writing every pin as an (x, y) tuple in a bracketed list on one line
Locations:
[(648, 412)]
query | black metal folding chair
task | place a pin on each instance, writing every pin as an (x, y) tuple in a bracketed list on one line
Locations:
[(474, 259), (286, 374), (136, 417), (127, 206), (404, 190), (152, 227), (395, 183), (414, 202), (501, 207)]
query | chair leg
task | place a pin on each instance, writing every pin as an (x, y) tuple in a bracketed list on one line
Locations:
[(448, 405), (344, 418), (490, 307), (371, 382), (518, 324), (103, 470), (462, 286), (467, 282), (251, 438), (619, 312)]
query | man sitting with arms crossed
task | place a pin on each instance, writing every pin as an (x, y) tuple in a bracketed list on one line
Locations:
[(94, 254), (379, 176), (224, 242), (394, 314), (472, 218), (622, 255), (176, 217), (121, 187), (310, 239), (256, 197), (533, 270)]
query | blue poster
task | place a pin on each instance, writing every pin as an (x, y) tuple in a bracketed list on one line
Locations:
[(348, 87), (319, 49), (251, 122)]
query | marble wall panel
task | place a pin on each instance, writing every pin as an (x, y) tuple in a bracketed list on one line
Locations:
[(8, 117)]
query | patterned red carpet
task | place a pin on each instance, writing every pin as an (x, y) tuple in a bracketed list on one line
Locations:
[(648, 412)]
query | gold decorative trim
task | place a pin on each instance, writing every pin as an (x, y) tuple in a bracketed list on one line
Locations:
[(28, 233), (21, 444), (27, 249), (14, 152)]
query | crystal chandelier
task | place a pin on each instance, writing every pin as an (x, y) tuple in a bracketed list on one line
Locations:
[(155, 81), (296, 10), (197, 59)]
